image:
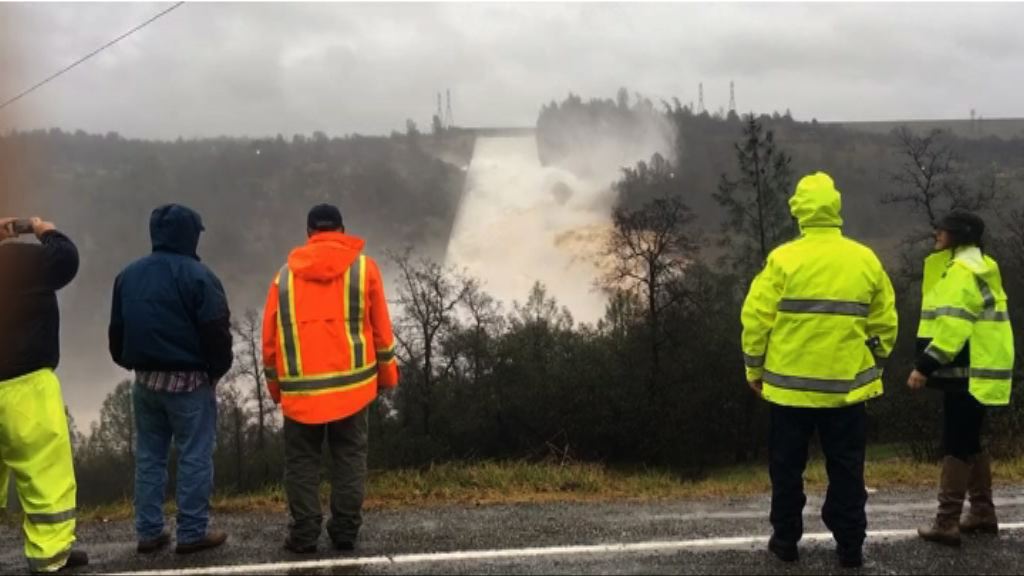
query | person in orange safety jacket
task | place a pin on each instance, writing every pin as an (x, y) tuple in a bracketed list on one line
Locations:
[(327, 347)]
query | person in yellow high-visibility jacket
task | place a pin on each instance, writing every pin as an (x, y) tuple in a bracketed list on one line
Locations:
[(35, 445), (817, 323), (965, 346)]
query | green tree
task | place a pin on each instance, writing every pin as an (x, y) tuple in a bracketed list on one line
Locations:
[(231, 433), (116, 431), (428, 294), (931, 181), (649, 249), (76, 436), (248, 367), (474, 341), (757, 216), (930, 178), (757, 220)]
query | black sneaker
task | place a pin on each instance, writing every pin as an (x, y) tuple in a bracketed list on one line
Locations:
[(784, 552), (76, 559), (345, 545), (850, 559), (153, 544), (296, 548)]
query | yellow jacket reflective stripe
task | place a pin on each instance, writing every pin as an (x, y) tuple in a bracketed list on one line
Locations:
[(286, 327), (355, 304), (353, 296), (963, 304), (821, 315)]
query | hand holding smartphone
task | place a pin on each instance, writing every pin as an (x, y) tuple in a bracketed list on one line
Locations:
[(14, 227), (22, 226)]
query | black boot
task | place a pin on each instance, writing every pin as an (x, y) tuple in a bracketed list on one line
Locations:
[(783, 551), (850, 557), (76, 559), (298, 548)]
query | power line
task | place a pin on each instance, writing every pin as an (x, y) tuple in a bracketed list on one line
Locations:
[(89, 55)]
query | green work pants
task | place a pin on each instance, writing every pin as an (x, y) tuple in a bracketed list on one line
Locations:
[(347, 444)]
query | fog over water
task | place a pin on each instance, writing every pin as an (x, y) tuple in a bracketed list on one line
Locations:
[(511, 227)]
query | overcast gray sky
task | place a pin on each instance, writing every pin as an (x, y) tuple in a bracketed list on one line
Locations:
[(263, 69)]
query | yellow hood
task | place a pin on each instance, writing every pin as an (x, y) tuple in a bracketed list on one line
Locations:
[(816, 202)]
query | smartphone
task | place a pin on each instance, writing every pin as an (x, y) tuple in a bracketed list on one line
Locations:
[(22, 226)]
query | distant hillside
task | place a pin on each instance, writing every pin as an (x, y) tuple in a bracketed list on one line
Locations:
[(1005, 128)]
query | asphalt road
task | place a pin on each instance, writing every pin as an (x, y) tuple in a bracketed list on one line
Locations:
[(676, 537)]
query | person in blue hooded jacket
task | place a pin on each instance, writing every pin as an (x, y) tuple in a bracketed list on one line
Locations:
[(170, 323)]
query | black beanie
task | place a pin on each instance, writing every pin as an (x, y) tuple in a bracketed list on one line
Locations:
[(324, 217)]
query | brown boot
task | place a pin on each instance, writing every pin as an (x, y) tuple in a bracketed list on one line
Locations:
[(981, 518), (213, 539), (952, 489)]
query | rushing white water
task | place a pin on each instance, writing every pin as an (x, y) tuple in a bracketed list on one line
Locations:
[(521, 222)]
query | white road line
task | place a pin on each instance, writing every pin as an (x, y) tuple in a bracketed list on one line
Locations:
[(811, 510), (438, 557)]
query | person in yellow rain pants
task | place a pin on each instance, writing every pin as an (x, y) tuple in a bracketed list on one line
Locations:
[(35, 445)]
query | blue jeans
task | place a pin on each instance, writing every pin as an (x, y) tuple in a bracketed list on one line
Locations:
[(190, 418)]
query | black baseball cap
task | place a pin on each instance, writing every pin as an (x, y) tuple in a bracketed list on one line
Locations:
[(324, 217), (964, 227)]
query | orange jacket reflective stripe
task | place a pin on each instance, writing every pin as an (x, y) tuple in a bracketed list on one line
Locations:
[(327, 338)]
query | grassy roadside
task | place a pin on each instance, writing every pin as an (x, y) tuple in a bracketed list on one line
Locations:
[(519, 482)]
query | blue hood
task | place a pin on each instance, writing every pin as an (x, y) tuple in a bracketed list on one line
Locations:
[(175, 228)]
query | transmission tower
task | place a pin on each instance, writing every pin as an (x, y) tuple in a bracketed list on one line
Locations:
[(449, 120), (439, 113), (700, 99), (732, 97)]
